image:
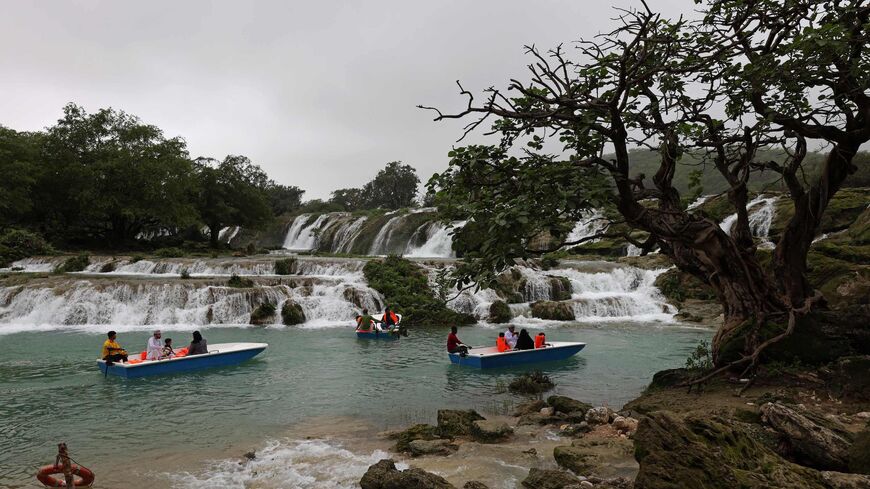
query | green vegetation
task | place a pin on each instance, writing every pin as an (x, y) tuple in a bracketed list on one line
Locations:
[(16, 244), (263, 314), (74, 264), (292, 313), (499, 312), (239, 282), (405, 288), (169, 252), (534, 382), (184, 274), (109, 267), (700, 360), (286, 266), (394, 187)]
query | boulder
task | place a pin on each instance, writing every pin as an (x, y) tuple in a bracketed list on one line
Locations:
[(859, 454), (263, 314), (475, 485), (416, 432), (384, 475), (602, 457), (560, 288), (567, 405), (529, 407), (576, 429), (554, 311), (457, 422), (811, 440), (489, 431), (547, 411), (839, 480), (599, 415), (499, 312), (625, 424), (849, 377), (549, 479), (431, 447), (292, 313), (714, 452), (533, 419)]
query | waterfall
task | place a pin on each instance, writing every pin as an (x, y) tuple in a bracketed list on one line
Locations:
[(438, 243), (594, 223), (380, 246), (346, 235), (698, 202), (301, 235), (761, 213)]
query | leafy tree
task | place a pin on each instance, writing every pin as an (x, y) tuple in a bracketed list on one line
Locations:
[(394, 187), (19, 164), (284, 199), (350, 199), (232, 192), (107, 175), (787, 73)]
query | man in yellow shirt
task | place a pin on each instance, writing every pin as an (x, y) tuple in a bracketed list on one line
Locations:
[(112, 351)]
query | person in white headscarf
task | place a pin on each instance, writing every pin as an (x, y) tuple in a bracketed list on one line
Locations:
[(154, 351)]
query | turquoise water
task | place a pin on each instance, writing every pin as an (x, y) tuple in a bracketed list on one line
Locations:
[(51, 390)]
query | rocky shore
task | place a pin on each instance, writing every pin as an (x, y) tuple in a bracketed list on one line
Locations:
[(795, 427)]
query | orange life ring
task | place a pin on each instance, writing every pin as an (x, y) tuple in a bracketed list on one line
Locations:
[(46, 476)]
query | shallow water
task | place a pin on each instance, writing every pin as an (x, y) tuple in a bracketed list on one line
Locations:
[(51, 391)]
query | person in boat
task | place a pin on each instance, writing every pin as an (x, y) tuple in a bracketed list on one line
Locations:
[(511, 336), (524, 341), (365, 322), (501, 344), (541, 340), (154, 350), (454, 344), (167, 352), (112, 351), (199, 346), (389, 320)]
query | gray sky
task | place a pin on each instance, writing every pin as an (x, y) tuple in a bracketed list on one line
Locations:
[(320, 94)]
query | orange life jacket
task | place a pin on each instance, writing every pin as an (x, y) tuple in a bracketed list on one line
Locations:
[(501, 344), (392, 316), (539, 340)]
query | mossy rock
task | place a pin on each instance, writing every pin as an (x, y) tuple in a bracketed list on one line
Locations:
[(74, 264), (417, 432), (509, 286), (859, 231), (560, 288), (859, 455), (678, 286), (263, 314), (292, 313), (554, 311), (531, 383), (237, 282), (108, 267), (457, 422), (607, 457), (286, 266), (567, 405), (499, 312)]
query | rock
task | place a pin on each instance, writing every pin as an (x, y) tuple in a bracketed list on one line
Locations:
[(531, 451), (499, 312), (811, 441), (560, 288), (416, 432), (475, 485), (487, 431), (384, 475), (576, 429), (613, 483), (863, 415), (849, 378), (669, 378), (624, 424), (250, 455), (263, 314), (567, 405), (548, 411), (549, 479), (534, 382), (455, 422), (859, 454), (712, 452), (431, 447), (599, 415), (554, 311), (839, 480), (602, 457), (533, 419), (292, 313), (529, 407)]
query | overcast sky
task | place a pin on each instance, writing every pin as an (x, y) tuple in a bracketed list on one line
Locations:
[(320, 94)]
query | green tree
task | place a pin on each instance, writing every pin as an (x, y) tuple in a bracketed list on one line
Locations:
[(232, 192), (394, 187), (787, 72), (107, 175), (19, 165), (350, 199), (284, 199)]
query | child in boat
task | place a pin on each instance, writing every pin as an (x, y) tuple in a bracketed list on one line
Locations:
[(501, 343), (167, 349), (365, 322), (541, 340)]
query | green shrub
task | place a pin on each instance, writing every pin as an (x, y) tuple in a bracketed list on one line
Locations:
[(171, 252), (405, 287), (287, 266), (108, 267), (239, 282), (701, 359), (136, 258), (499, 312), (263, 314), (74, 264), (534, 382), (16, 244)]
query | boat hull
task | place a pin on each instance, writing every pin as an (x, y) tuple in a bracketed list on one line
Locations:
[(213, 359), (490, 359), (376, 335)]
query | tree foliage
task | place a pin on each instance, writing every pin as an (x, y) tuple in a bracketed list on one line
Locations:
[(393, 187), (785, 73)]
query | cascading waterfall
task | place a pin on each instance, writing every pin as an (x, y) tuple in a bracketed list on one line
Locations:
[(347, 234), (380, 246), (438, 243), (594, 223), (762, 210), (301, 236)]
